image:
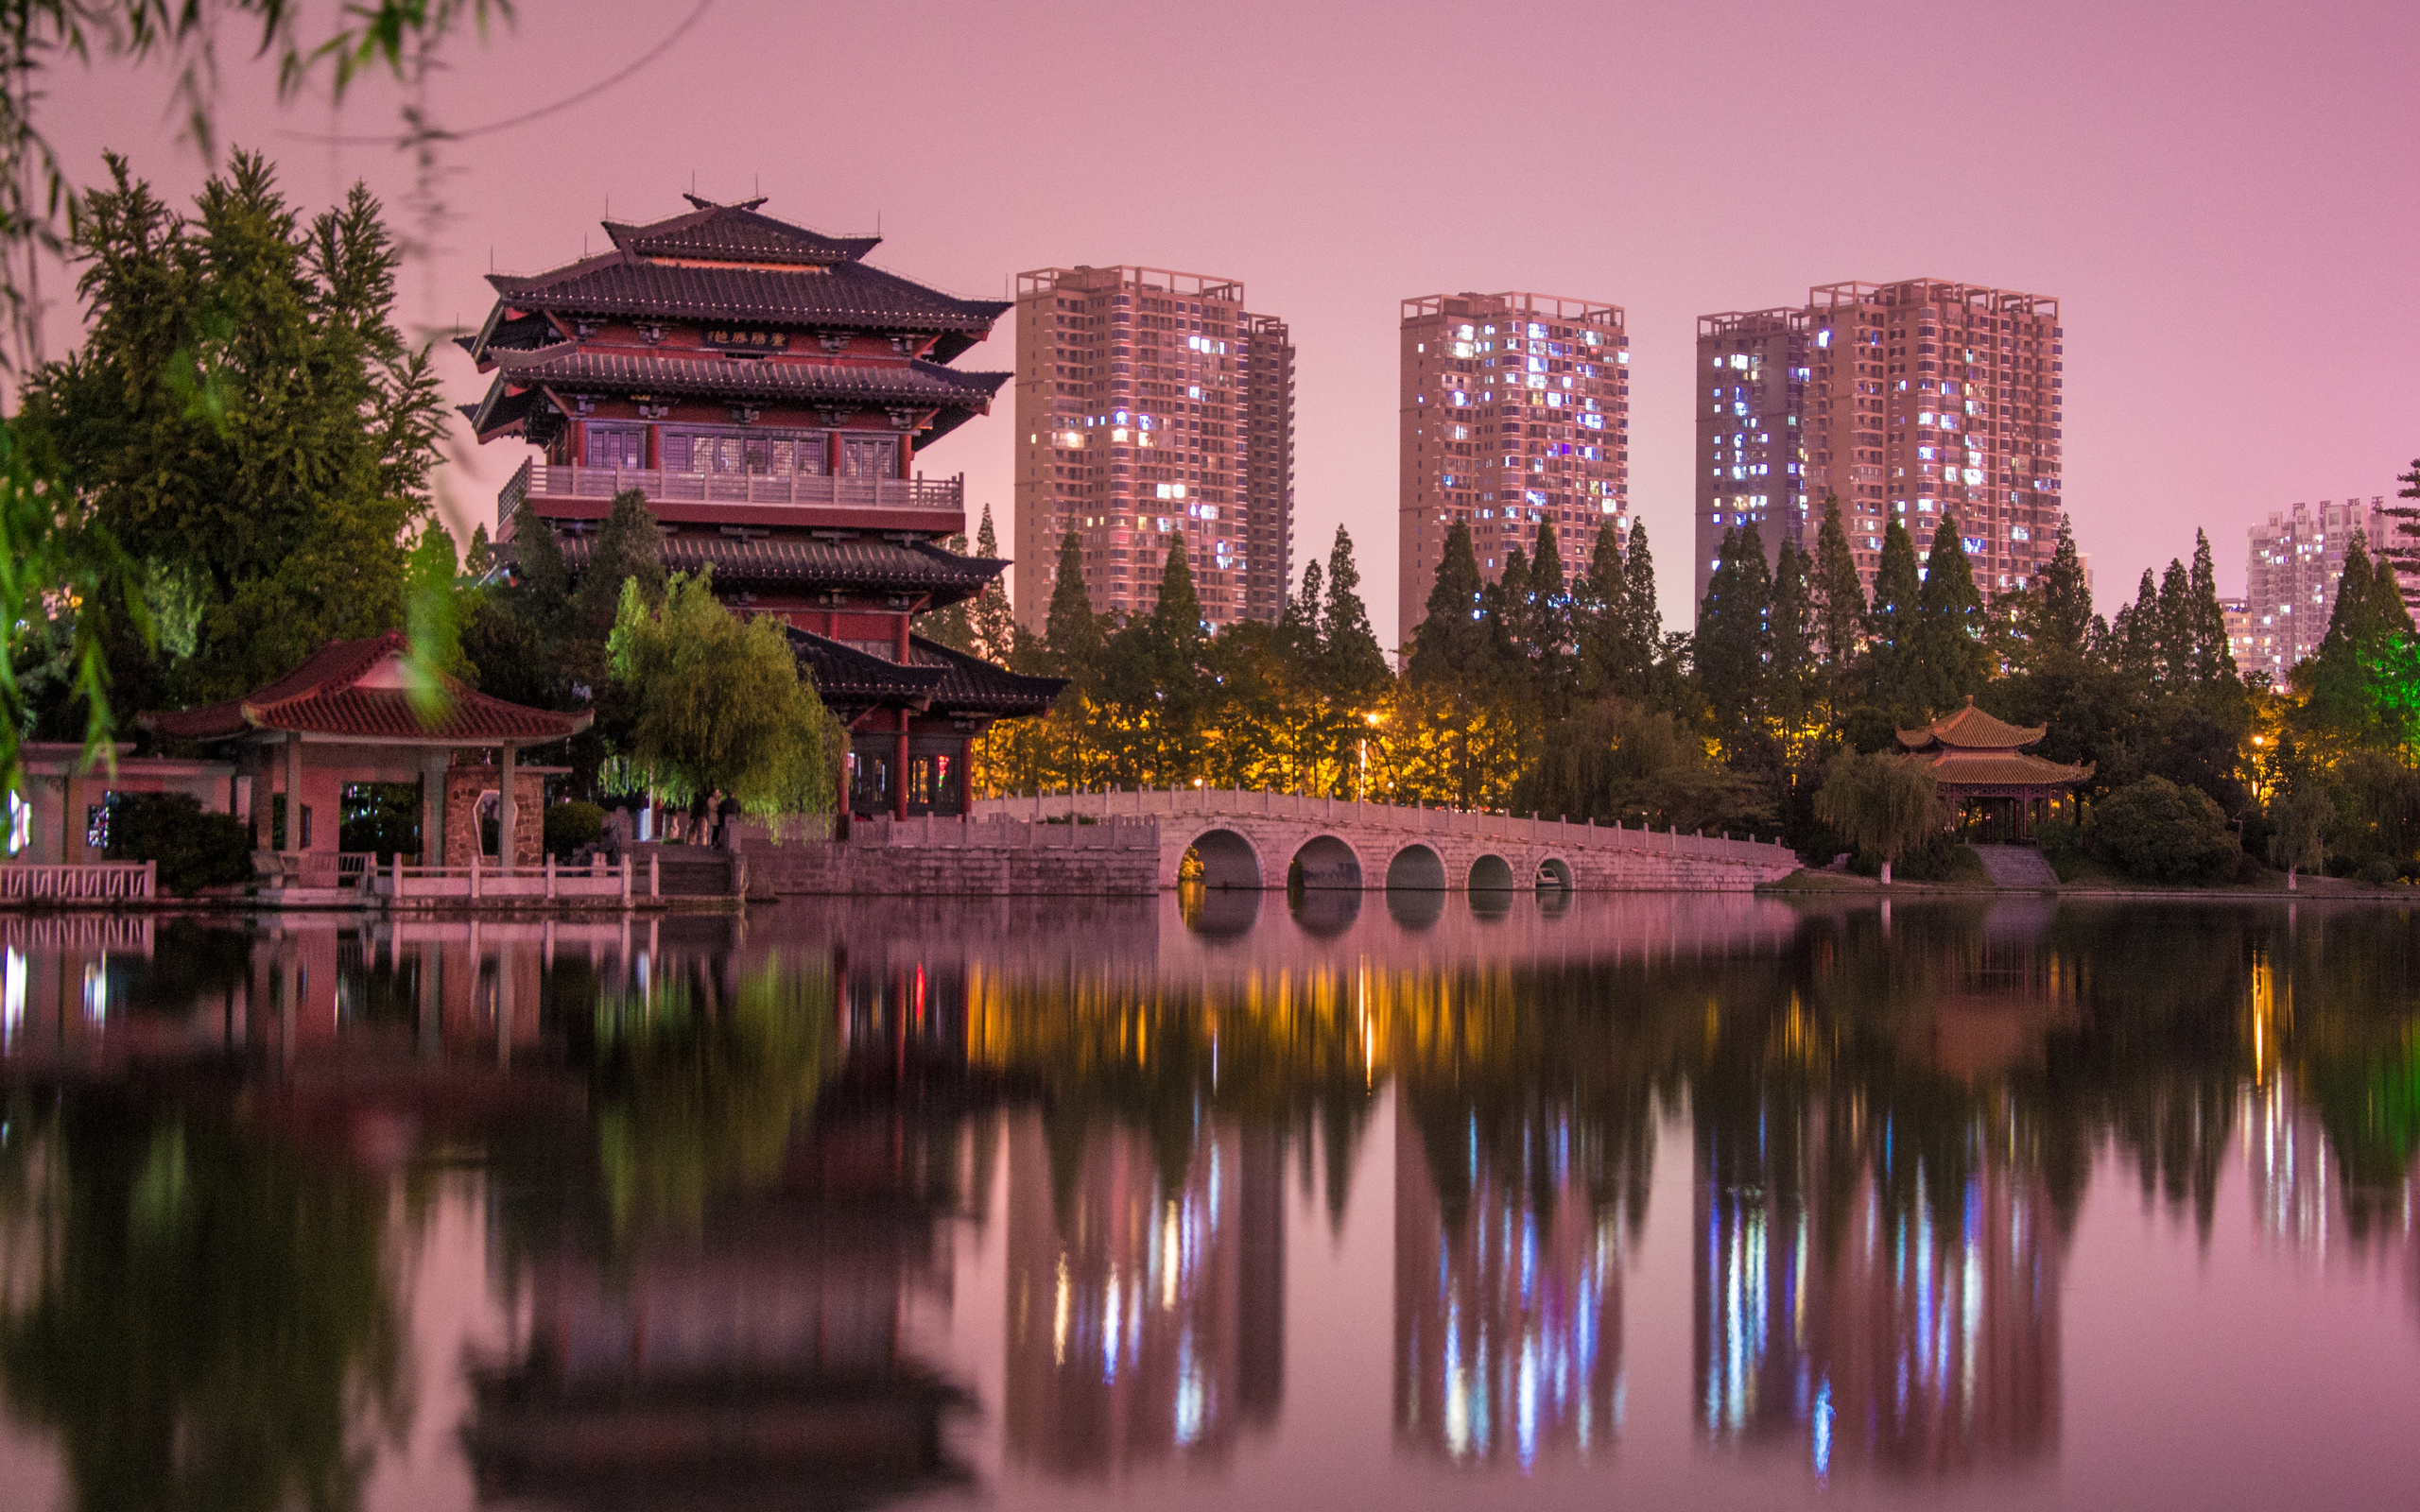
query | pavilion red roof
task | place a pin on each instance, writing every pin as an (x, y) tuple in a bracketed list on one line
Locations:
[(360, 690), (1970, 728)]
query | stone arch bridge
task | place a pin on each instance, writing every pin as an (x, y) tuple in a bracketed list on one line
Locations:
[(1264, 840)]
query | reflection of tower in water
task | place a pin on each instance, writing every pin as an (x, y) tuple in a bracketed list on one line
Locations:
[(1508, 1292), (1146, 1290), (1865, 1310)]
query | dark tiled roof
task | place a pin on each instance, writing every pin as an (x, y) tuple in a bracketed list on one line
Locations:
[(850, 681), (849, 296), (1970, 728), (794, 563), (500, 409), (924, 384), (737, 234), (975, 685), (350, 689)]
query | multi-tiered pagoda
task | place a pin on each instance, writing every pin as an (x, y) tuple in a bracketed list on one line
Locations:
[(768, 391)]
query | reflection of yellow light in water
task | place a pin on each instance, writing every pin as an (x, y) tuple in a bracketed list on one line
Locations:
[(1170, 1255), (1058, 1318), (2264, 1013)]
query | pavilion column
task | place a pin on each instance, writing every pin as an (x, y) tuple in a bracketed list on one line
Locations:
[(508, 814), (899, 772), (294, 793), (965, 777), (432, 808)]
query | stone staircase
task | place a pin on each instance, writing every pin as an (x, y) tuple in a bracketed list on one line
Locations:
[(2020, 867)]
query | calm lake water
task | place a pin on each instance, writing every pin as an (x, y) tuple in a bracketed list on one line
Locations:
[(1402, 1202)]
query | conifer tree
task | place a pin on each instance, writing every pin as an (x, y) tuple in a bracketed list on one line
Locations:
[(628, 548), (952, 624), (1735, 640), (1599, 597), (1510, 622), (1836, 593), (1950, 629), (1641, 617), (2175, 625), (1890, 624), (1794, 671), (2134, 635), (1450, 643), (1300, 624), (1071, 637), (993, 622), (2213, 657), (1353, 666), (2058, 628)]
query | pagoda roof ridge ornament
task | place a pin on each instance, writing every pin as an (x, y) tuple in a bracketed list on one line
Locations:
[(735, 234)]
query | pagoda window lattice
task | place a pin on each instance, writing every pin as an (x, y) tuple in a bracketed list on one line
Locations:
[(622, 446), (868, 457), (773, 453)]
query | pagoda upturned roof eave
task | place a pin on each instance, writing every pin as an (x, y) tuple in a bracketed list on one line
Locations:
[(924, 384), (1971, 729), (877, 565), (345, 691)]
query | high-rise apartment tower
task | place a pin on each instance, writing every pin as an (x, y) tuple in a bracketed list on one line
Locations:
[(1910, 399), (2290, 573), (1155, 410), (1516, 414)]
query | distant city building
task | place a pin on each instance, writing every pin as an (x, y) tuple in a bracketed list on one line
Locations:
[(1913, 400), (2241, 642), (1516, 414), (1155, 409), (2290, 572)]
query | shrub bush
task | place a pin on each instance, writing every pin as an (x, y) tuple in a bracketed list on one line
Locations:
[(195, 849), (2378, 871), (2163, 833), (569, 826), (2057, 837)]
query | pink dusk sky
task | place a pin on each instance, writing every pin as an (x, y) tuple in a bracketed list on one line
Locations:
[(2220, 196)]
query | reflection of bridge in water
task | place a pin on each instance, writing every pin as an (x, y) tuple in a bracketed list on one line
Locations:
[(1250, 841)]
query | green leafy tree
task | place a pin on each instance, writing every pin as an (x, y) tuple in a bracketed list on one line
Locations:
[(2157, 830), (57, 553), (244, 419), (718, 706), (1883, 804)]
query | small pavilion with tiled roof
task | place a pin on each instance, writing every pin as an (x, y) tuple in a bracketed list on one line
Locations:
[(346, 717), (1983, 770)]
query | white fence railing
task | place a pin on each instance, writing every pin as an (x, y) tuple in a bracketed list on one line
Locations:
[(103, 882), (1347, 814), (485, 879)]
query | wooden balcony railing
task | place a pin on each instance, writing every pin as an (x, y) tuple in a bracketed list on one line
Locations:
[(538, 480)]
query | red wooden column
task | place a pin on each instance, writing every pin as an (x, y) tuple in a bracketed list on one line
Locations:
[(965, 777), (899, 770)]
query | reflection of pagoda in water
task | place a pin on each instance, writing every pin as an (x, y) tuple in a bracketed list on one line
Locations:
[(1145, 1299), (1867, 1309), (1508, 1298)]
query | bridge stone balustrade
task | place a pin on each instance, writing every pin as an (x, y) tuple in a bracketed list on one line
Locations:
[(1255, 840)]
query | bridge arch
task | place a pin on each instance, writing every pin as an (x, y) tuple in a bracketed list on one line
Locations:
[(1554, 872), (1325, 861), (1416, 868), (1228, 860), (1491, 873)]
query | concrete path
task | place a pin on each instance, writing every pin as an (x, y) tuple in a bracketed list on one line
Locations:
[(2016, 865)]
